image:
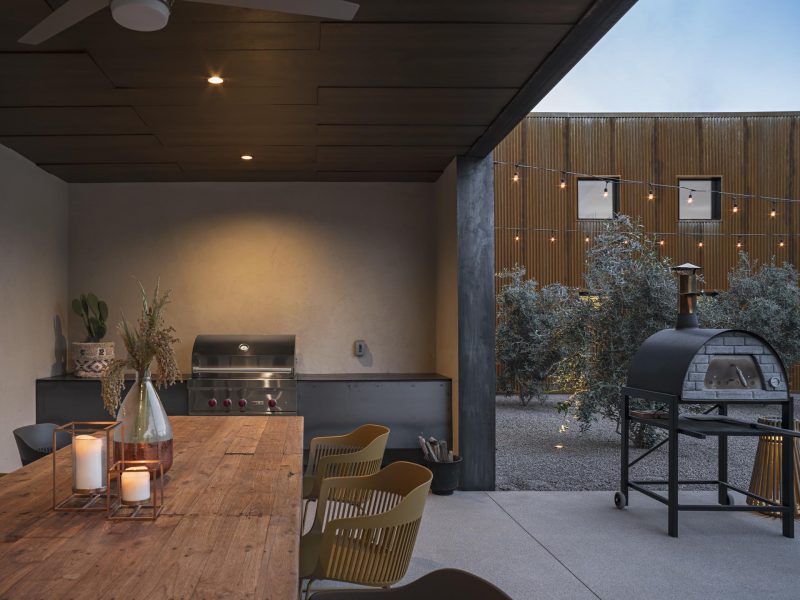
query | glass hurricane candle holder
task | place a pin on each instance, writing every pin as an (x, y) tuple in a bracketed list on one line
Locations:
[(140, 490), (90, 455)]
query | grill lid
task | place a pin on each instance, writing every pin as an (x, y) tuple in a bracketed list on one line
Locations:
[(242, 355)]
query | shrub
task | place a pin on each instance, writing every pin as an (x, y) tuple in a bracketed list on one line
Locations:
[(530, 320), (764, 299)]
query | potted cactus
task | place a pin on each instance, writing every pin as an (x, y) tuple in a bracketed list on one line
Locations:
[(93, 356)]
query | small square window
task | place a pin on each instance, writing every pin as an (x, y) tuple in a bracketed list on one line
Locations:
[(597, 199), (699, 199)]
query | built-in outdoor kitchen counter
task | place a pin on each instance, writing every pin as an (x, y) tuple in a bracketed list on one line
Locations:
[(64, 398), (408, 403)]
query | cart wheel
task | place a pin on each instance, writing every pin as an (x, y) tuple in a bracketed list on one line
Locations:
[(620, 501)]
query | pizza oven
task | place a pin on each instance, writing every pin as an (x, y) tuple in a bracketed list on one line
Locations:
[(715, 368), (699, 364)]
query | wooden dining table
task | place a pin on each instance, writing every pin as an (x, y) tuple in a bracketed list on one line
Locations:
[(229, 528)]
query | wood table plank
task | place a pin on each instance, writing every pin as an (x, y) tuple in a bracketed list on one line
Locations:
[(230, 527)]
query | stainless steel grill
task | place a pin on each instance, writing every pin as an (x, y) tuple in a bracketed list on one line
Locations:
[(243, 375)]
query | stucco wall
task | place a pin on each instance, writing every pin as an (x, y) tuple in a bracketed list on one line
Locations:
[(329, 262), (33, 290)]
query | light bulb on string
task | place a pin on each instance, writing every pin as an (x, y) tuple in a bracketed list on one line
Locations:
[(781, 244), (605, 190), (699, 244), (690, 199), (515, 178), (735, 208), (587, 239), (660, 242), (739, 243), (563, 183), (516, 238), (773, 212), (552, 236), (650, 194)]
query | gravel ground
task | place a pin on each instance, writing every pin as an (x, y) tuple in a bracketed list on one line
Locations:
[(527, 457)]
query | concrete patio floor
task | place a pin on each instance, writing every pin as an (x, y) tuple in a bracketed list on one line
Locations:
[(576, 545)]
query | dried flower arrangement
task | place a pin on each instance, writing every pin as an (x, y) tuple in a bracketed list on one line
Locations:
[(150, 341)]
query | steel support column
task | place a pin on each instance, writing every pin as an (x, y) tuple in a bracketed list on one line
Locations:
[(476, 321)]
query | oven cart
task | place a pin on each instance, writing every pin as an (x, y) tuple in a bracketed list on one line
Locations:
[(702, 426)]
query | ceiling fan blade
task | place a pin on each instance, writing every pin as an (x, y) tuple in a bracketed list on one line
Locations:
[(64, 17), (326, 9)]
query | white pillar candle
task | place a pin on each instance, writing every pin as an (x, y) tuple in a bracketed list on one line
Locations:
[(88, 462), (135, 483)]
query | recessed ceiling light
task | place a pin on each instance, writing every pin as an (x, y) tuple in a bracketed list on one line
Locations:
[(215, 80), (247, 157)]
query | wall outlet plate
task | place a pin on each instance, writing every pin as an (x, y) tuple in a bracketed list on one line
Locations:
[(359, 348)]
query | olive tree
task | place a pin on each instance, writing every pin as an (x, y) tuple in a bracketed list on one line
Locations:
[(764, 299), (631, 295), (529, 323)]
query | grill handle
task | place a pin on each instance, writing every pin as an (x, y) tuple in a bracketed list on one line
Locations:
[(242, 370)]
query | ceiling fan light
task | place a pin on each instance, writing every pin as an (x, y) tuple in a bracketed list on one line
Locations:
[(141, 15)]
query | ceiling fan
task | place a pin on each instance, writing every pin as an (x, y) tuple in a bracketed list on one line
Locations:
[(152, 15)]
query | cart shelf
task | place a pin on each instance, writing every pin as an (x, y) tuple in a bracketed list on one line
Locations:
[(702, 426)]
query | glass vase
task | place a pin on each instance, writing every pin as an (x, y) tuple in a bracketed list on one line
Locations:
[(146, 433)]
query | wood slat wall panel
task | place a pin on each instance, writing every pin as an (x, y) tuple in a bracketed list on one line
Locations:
[(751, 153)]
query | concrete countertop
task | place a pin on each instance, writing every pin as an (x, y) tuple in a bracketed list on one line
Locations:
[(300, 377), (371, 377), (71, 377)]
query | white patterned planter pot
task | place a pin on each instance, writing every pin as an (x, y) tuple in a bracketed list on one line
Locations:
[(92, 358)]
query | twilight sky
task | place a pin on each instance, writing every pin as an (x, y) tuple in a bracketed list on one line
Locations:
[(690, 55)]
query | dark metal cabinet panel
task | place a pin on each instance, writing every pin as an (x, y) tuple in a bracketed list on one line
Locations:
[(72, 399), (408, 408)]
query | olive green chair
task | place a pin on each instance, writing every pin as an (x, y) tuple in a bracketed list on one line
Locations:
[(359, 452), (437, 585), (365, 528)]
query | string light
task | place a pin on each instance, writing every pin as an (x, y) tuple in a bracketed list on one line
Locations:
[(650, 194), (773, 199), (735, 208), (781, 244), (587, 239), (658, 237), (739, 243), (563, 183), (516, 238), (773, 212), (699, 244), (690, 199), (515, 178), (552, 236), (605, 190)]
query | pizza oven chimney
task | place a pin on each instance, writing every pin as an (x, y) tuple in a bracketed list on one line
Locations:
[(687, 296)]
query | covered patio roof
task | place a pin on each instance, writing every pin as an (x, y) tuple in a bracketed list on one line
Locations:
[(392, 96)]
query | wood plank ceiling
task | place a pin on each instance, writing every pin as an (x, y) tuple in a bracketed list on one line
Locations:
[(391, 96)]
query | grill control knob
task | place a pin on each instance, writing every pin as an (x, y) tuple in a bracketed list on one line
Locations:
[(212, 403), (242, 403), (226, 403), (272, 403)]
